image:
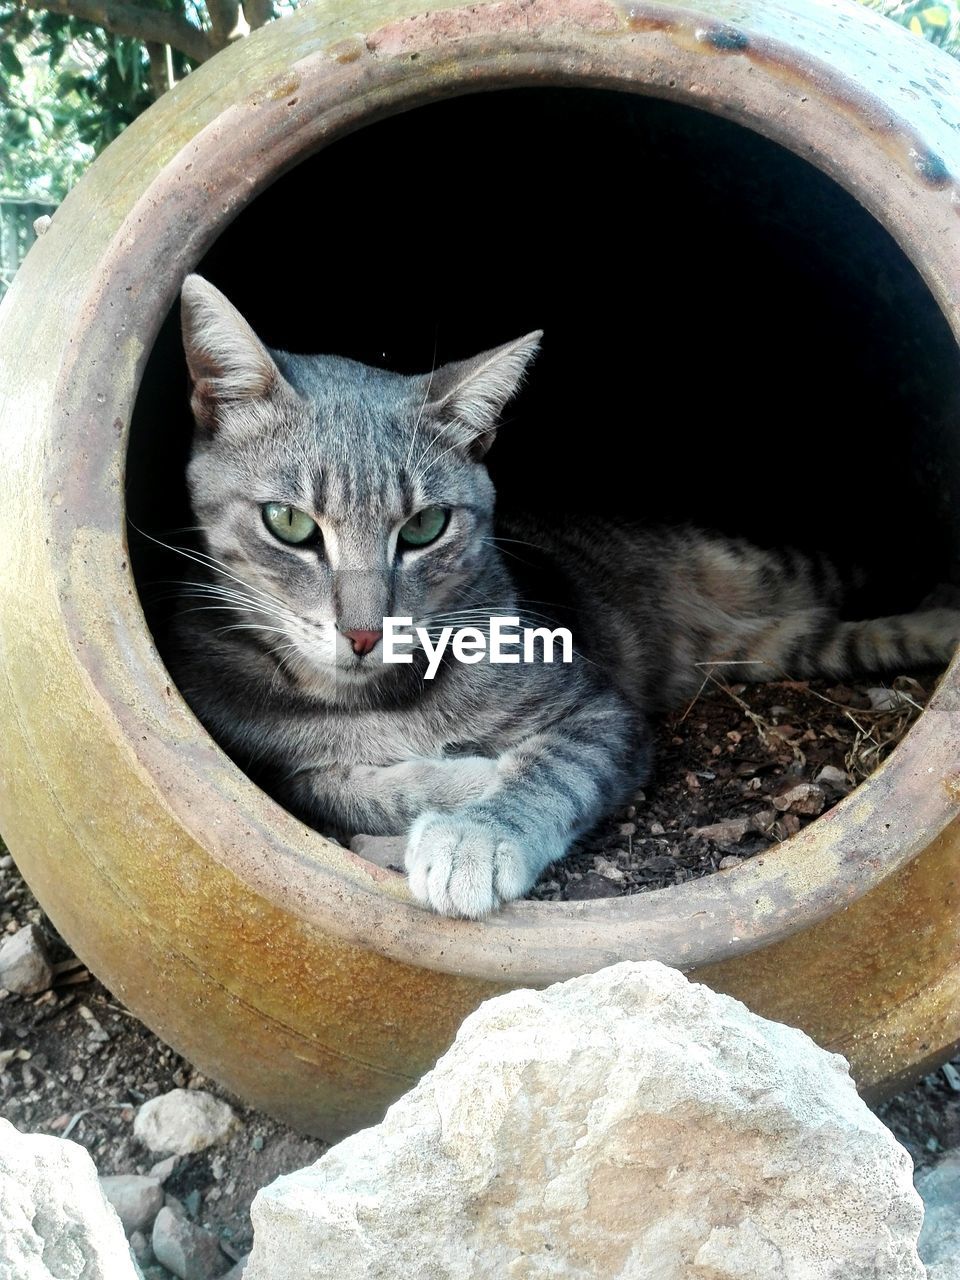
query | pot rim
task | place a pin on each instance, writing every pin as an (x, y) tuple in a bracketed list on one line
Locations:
[(340, 84)]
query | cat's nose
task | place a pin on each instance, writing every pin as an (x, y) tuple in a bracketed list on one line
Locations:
[(363, 641)]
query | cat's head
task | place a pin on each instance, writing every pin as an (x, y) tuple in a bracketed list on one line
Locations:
[(332, 494)]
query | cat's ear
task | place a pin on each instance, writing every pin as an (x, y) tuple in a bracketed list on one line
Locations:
[(229, 365), (469, 395)]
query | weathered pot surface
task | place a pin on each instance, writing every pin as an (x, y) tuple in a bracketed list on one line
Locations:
[(299, 974)]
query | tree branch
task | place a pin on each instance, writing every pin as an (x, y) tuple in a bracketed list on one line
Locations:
[(225, 21), (258, 12), (123, 19)]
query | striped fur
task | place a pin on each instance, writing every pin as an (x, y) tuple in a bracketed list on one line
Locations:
[(491, 770)]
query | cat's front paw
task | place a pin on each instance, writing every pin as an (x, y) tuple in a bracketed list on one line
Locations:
[(462, 865)]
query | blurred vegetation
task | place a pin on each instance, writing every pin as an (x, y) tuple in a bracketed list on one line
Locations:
[(74, 73)]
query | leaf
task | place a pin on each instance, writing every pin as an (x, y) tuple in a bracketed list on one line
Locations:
[(9, 61), (936, 16), (915, 26)]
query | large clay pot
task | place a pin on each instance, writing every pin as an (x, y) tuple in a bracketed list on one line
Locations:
[(295, 972)]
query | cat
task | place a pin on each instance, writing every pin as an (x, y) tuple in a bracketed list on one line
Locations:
[(331, 495)]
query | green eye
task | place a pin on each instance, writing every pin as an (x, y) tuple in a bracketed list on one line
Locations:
[(288, 523), (425, 527)]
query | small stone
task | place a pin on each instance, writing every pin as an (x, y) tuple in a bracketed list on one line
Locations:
[(6, 862), (591, 885), (183, 1121), (384, 851), (831, 776), (952, 1076), (657, 829), (257, 1142), (609, 870), (42, 224), (806, 798), (731, 860), (887, 700), (140, 1247), (25, 968), (733, 830), (187, 1250), (163, 1169), (627, 829), (137, 1199)]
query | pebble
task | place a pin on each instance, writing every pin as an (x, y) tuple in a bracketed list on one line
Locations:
[(137, 1199), (627, 828), (733, 830), (831, 776), (805, 797), (188, 1251), (183, 1121), (6, 862), (731, 860), (25, 968), (886, 700), (163, 1169)]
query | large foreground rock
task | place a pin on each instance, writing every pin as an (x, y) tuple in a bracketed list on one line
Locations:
[(54, 1221), (624, 1124)]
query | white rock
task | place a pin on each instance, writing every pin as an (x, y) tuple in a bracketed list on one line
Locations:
[(137, 1199), (187, 1250), (627, 1124), (54, 1221), (182, 1121), (24, 967), (940, 1238)]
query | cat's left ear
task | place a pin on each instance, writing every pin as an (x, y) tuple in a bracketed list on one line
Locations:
[(469, 395)]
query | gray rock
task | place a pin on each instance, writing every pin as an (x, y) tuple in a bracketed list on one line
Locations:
[(24, 966), (164, 1169), (140, 1247), (183, 1121), (940, 1238), (137, 1199), (836, 779), (54, 1220), (385, 851), (188, 1251), (622, 1125)]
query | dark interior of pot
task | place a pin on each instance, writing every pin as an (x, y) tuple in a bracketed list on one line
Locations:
[(730, 338)]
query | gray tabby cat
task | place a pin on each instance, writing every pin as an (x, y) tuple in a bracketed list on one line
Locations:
[(331, 495)]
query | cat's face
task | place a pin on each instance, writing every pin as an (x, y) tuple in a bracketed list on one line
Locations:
[(332, 495)]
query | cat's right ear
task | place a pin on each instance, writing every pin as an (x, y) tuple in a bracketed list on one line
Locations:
[(229, 365)]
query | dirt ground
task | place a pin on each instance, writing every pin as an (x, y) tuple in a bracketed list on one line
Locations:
[(747, 764), (738, 770)]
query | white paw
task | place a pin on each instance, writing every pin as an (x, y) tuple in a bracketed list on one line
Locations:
[(462, 866)]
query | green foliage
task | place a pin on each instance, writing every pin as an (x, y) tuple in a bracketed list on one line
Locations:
[(935, 20)]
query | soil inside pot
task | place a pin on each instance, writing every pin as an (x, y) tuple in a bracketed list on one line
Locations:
[(738, 770)]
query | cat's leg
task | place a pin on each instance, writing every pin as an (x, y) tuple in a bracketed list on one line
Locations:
[(385, 799), (554, 785)]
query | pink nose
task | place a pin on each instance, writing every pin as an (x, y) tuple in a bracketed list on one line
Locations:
[(363, 641)]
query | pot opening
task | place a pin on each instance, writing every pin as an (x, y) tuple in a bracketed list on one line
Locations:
[(730, 338)]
